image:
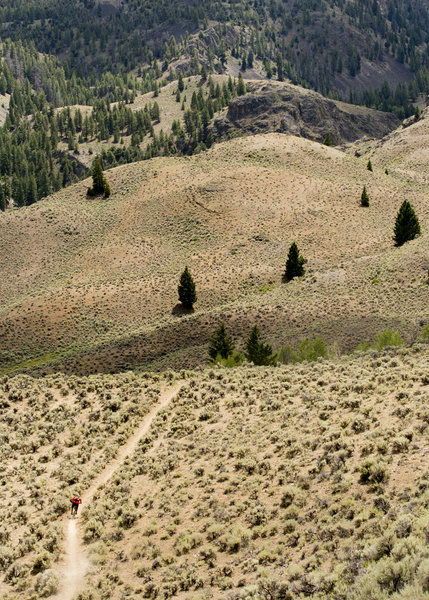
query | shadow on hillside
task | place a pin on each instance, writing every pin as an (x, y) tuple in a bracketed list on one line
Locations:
[(179, 310)]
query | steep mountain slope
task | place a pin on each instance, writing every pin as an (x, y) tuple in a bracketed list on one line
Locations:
[(91, 285), (329, 44)]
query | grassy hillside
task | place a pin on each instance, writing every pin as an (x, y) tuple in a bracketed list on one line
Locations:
[(90, 285), (304, 481)]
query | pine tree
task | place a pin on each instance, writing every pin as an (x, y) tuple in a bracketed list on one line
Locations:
[(364, 199), (241, 87), (2, 199), (186, 289), (180, 83), (256, 351), (369, 166), (99, 182), (406, 225), (328, 140), (97, 177), (220, 344), (294, 264)]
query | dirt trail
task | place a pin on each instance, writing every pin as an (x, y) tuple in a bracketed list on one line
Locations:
[(76, 564)]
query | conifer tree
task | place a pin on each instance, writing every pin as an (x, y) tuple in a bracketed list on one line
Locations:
[(186, 289), (328, 140), (369, 166), (364, 199), (180, 83), (99, 182), (294, 264), (2, 199), (220, 344), (241, 86), (407, 225), (97, 177), (256, 351)]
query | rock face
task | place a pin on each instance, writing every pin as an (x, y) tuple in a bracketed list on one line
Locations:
[(285, 108)]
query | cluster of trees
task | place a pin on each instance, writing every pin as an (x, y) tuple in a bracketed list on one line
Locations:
[(191, 136), (106, 121), (31, 166)]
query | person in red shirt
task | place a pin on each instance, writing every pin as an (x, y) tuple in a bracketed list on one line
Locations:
[(75, 501)]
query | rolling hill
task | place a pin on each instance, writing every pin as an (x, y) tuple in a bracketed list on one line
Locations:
[(90, 285)]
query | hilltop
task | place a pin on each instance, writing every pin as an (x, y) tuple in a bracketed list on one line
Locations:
[(90, 285)]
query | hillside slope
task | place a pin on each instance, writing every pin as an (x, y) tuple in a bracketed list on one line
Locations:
[(263, 483), (93, 283)]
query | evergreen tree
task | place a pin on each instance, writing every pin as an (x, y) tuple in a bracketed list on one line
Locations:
[(2, 199), (369, 166), (97, 177), (294, 264), (257, 352), (241, 87), (220, 344), (407, 224), (364, 199), (180, 83), (186, 289), (99, 182), (328, 139)]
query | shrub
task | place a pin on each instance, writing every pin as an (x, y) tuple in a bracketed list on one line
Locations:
[(46, 584), (387, 338), (93, 530), (373, 472)]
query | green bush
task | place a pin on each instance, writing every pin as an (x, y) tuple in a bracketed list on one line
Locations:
[(308, 349), (387, 338)]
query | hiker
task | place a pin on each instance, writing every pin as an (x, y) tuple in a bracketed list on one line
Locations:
[(75, 501)]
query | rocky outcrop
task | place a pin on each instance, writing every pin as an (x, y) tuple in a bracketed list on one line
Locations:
[(285, 108)]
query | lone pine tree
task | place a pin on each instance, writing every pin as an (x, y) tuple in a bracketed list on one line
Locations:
[(364, 199), (99, 182), (186, 289), (257, 352), (407, 225), (294, 264), (220, 344)]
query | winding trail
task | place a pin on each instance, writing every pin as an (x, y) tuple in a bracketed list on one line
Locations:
[(76, 564)]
